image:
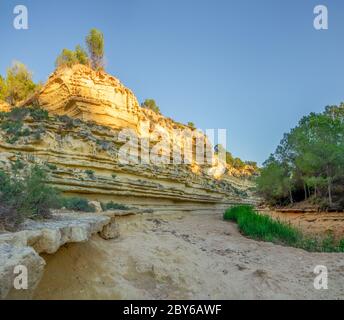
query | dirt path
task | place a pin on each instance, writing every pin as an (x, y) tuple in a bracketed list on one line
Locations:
[(184, 257)]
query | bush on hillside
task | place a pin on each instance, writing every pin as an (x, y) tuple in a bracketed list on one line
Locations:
[(113, 206), (77, 204), (26, 195)]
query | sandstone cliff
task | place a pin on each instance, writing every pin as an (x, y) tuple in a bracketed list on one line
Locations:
[(79, 143)]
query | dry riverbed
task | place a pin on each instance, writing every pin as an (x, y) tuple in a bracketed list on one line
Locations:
[(185, 257)]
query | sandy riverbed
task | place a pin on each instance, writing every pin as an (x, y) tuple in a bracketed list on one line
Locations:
[(185, 257)]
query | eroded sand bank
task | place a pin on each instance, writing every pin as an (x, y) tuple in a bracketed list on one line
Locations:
[(185, 257)]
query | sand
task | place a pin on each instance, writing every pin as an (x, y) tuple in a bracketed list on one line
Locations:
[(186, 257)]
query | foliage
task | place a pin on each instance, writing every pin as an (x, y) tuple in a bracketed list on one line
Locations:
[(261, 227), (26, 195), (236, 163), (12, 122), (151, 105), (94, 57), (95, 46), (77, 204), (264, 228), (308, 163), (38, 197), (69, 58), (18, 84), (14, 130), (81, 55), (191, 125), (38, 114), (51, 166), (3, 88), (90, 173), (113, 206)]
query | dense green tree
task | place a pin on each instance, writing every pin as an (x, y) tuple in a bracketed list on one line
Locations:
[(95, 45), (69, 58), (274, 182), (66, 58), (310, 159), (236, 163), (81, 55), (151, 105), (19, 84)]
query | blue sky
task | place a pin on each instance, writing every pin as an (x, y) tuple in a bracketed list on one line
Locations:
[(251, 67)]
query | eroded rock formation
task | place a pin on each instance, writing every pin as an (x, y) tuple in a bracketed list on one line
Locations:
[(22, 248), (80, 145)]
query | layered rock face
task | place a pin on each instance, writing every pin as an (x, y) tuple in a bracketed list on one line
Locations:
[(22, 248), (80, 92), (80, 144)]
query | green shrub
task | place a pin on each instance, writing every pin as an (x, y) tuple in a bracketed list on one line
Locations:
[(77, 204), (17, 114), (51, 166), (28, 195), (17, 165), (14, 130), (90, 173), (12, 127), (151, 105), (18, 84), (191, 125), (264, 228), (38, 114), (113, 206), (38, 197)]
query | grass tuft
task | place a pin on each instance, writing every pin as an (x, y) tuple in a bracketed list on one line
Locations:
[(264, 228)]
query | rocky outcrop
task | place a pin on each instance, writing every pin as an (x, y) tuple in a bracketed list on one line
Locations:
[(22, 248), (80, 144), (10, 258)]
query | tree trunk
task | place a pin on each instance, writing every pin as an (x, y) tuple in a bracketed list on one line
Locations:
[(304, 188), (291, 196), (330, 192)]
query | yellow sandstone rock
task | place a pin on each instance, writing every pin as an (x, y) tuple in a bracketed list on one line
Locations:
[(4, 106), (83, 156)]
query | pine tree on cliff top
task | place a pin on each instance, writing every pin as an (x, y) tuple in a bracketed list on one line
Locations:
[(95, 45)]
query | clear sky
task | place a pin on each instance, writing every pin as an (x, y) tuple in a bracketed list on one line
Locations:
[(251, 67)]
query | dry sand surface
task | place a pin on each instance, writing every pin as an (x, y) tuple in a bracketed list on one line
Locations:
[(185, 257)]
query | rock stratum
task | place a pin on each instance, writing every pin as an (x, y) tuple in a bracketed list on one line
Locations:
[(23, 248), (80, 144)]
